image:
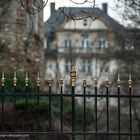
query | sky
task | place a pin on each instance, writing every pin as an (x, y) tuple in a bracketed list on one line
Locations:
[(98, 3)]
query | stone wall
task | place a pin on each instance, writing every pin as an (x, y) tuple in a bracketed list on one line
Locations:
[(19, 49)]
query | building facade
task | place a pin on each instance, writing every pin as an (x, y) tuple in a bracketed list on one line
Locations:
[(21, 37), (86, 38)]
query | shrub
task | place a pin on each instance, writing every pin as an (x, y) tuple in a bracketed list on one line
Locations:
[(32, 105)]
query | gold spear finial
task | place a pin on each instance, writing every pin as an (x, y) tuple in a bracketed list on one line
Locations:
[(95, 82), (118, 80), (73, 76), (130, 81), (15, 79), (26, 79), (38, 79), (84, 82), (107, 83), (61, 81), (50, 80), (3, 80)]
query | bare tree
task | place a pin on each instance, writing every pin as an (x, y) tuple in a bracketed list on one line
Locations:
[(131, 11)]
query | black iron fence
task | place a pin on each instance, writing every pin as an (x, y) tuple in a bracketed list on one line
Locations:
[(20, 128)]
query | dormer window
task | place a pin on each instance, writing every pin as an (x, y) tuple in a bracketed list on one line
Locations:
[(85, 41), (103, 44), (85, 22)]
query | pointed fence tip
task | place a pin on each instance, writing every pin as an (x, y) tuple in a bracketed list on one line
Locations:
[(95, 82), (38, 79), (130, 81), (26, 79), (15, 79), (84, 82), (3, 79)]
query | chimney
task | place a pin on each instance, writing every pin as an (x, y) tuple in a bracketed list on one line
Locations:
[(52, 7), (104, 7)]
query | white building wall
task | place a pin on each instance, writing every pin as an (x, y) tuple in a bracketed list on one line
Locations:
[(50, 69), (61, 66), (73, 30), (97, 24)]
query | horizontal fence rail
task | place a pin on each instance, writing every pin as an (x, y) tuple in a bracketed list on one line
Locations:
[(11, 102)]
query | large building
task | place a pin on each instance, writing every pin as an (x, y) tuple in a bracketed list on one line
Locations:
[(21, 36), (86, 37)]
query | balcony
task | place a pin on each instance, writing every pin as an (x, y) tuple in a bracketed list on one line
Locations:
[(74, 50), (82, 51)]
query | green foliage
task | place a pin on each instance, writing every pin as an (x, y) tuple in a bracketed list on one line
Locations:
[(31, 108), (90, 116), (32, 105), (67, 110), (79, 114)]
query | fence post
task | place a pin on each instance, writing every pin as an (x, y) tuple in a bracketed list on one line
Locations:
[(73, 80), (130, 105), (26, 99), (96, 119), (61, 105), (119, 124), (107, 106), (2, 99), (50, 103), (14, 100), (84, 86), (38, 80)]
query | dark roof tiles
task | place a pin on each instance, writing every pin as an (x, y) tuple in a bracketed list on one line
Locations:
[(63, 13)]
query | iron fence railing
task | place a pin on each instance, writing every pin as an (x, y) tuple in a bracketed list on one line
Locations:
[(61, 133)]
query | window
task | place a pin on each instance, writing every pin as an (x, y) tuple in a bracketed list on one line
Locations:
[(106, 70), (68, 66), (67, 43), (85, 41), (86, 66), (32, 23), (129, 45), (103, 44)]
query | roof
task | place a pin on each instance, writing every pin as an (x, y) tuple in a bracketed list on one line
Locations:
[(59, 16)]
